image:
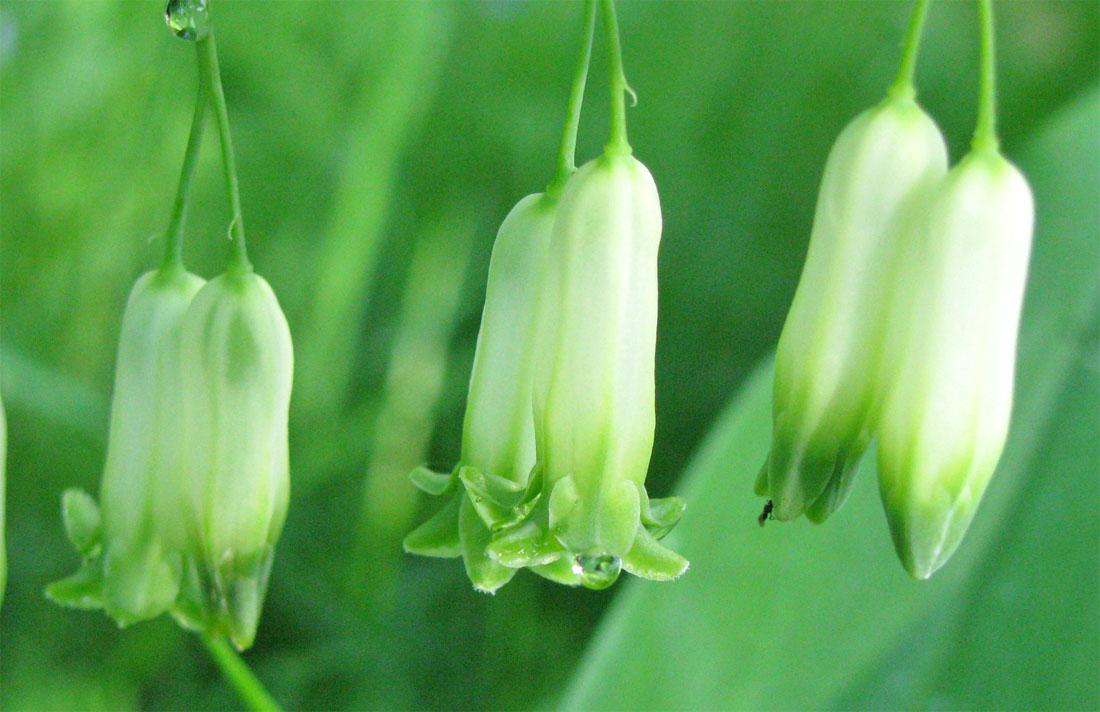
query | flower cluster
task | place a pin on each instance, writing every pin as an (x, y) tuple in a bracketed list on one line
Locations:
[(560, 419), (560, 416), (195, 486), (903, 327)]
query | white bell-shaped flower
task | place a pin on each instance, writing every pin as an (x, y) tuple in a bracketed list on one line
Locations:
[(830, 351), (237, 365), (951, 355), (132, 549)]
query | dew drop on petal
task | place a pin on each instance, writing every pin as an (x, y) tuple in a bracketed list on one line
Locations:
[(597, 571)]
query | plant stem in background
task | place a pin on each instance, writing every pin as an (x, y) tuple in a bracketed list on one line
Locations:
[(378, 127), (985, 133), (617, 142), (238, 674), (567, 154), (173, 236), (402, 430), (907, 70), (210, 78)]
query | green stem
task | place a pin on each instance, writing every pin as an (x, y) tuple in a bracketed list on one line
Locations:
[(985, 132), (617, 142), (567, 155), (240, 676), (210, 76), (173, 236), (907, 70)]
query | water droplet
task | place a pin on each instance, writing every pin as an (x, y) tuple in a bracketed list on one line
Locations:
[(188, 19), (597, 571)]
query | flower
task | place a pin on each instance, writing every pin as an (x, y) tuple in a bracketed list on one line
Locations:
[(586, 509), (951, 357), (237, 365), (131, 552), (498, 439), (829, 354)]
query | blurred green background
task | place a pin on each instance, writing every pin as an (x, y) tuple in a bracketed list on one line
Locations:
[(380, 144)]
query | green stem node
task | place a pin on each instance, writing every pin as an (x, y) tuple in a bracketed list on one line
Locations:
[(985, 132), (903, 84)]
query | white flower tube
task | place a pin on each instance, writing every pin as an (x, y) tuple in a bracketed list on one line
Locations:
[(829, 352), (951, 357), (237, 364), (132, 551), (498, 437)]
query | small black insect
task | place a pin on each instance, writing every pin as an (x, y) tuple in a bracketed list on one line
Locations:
[(766, 514)]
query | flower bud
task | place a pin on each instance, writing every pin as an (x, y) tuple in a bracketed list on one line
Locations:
[(951, 357), (131, 559), (498, 440), (594, 386), (237, 365), (828, 357)]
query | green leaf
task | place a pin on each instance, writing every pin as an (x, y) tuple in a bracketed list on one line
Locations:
[(800, 617)]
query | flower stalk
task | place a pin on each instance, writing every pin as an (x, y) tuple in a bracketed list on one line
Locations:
[(210, 78), (173, 236)]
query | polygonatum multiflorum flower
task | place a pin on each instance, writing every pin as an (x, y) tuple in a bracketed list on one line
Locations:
[(195, 488), (132, 550), (498, 438), (830, 351), (950, 358), (236, 369)]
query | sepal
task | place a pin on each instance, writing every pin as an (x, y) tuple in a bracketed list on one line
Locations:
[(439, 536), (529, 543), (83, 523), (431, 482), (486, 574), (651, 560), (659, 516)]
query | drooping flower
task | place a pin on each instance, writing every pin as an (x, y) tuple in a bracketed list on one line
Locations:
[(132, 558), (951, 356), (498, 440), (830, 352), (587, 511), (237, 365)]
